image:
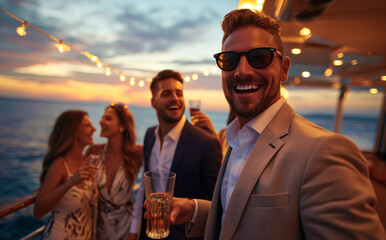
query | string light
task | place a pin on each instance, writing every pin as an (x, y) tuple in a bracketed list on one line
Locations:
[(296, 51), (94, 58), (337, 62), (306, 74), (328, 72), (194, 76), (21, 30), (340, 55), (64, 47), (305, 32), (132, 81), (122, 77), (108, 71)]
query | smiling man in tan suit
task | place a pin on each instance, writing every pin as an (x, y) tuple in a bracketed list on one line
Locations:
[(283, 177)]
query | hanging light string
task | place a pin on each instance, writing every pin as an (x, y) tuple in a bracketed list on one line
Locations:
[(64, 47)]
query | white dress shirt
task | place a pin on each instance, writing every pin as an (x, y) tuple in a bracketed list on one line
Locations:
[(242, 141), (161, 158)]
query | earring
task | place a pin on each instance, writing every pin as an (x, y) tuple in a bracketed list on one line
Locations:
[(121, 129)]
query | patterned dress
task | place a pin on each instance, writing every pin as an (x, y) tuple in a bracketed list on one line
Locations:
[(116, 206), (74, 217)]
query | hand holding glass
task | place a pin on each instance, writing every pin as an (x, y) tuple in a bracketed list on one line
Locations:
[(159, 187), (89, 165)]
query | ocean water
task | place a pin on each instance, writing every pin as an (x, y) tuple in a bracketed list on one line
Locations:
[(26, 124)]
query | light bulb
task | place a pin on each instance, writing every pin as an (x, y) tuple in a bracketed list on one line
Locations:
[(340, 55), (62, 47), (122, 77), (141, 83), (337, 62), (21, 30), (94, 58), (306, 74), (296, 51), (108, 71), (305, 32), (194, 76), (328, 72)]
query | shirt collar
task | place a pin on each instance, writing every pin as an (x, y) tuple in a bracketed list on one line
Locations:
[(258, 123), (174, 133)]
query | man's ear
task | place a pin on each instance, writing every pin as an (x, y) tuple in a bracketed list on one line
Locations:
[(152, 102), (286, 62)]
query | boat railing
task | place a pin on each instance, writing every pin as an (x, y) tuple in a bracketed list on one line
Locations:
[(23, 202)]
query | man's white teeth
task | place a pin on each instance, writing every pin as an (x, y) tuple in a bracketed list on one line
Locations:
[(246, 87)]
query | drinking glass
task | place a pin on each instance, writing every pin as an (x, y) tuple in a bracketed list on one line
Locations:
[(89, 184), (159, 187), (194, 105)]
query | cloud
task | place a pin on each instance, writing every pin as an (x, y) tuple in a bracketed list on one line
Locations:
[(157, 30), (134, 37)]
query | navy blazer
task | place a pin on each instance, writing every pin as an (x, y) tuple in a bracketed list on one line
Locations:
[(196, 162)]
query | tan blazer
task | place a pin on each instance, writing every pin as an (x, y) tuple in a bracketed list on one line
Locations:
[(299, 182)]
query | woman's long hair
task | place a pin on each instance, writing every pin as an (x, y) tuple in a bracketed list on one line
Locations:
[(62, 137), (132, 155)]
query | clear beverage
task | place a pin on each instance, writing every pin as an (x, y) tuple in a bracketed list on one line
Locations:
[(159, 209)]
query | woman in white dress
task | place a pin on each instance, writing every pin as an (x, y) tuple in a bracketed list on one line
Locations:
[(66, 180), (118, 165)]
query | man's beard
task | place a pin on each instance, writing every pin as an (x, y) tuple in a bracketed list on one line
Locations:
[(242, 110), (169, 120)]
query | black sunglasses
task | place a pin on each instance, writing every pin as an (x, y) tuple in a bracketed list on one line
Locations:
[(258, 58)]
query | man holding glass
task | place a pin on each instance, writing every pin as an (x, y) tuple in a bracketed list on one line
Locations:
[(176, 146), (283, 177)]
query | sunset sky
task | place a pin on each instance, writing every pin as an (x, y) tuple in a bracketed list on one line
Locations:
[(139, 38)]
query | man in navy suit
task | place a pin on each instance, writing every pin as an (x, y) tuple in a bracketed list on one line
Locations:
[(176, 145)]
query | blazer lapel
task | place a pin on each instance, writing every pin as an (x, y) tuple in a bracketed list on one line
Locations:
[(183, 140), (148, 145), (265, 148)]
